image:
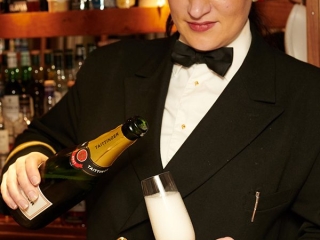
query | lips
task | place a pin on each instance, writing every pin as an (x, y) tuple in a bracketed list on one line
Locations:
[(201, 27)]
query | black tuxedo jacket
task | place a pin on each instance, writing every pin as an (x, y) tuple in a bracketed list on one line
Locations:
[(261, 135)]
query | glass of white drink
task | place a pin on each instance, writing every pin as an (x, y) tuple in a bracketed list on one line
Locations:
[(167, 212)]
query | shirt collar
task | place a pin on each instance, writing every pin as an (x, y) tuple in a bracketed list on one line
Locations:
[(240, 47)]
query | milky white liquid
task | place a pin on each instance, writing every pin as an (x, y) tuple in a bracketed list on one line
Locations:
[(169, 217)]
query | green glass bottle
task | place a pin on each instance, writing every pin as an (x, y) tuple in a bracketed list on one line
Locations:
[(68, 176)]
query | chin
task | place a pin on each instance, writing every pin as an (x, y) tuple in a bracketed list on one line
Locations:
[(202, 44)]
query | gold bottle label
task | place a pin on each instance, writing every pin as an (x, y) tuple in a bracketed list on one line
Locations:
[(96, 156)]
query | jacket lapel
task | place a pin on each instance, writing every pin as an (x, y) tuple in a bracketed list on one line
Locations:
[(241, 113), (145, 95)]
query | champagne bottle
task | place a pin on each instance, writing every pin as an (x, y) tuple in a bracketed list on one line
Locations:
[(69, 175)]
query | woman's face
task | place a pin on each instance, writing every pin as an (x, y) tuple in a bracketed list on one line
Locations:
[(209, 24)]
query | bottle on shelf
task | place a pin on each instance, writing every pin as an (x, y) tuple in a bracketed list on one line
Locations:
[(33, 5), (98, 4), (85, 4), (3, 76), (12, 91), (125, 3), (68, 176), (4, 63), (2, 8), (91, 47), (49, 95), (25, 115), (4, 138), (49, 67), (80, 56), (69, 67), (110, 3), (25, 71), (61, 82), (74, 4), (43, 6), (37, 84), (26, 112), (37, 69)]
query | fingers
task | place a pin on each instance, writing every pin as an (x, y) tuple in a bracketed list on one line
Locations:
[(19, 184), (5, 192), (32, 163), (225, 238)]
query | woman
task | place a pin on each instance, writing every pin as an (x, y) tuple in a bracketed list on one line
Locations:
[(241, 141)]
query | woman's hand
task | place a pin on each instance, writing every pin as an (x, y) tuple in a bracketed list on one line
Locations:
[(21, 180), (225, 238)]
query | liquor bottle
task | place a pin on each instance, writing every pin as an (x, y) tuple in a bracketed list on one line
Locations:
[(110, 3), (75, 4), (25, 96), (125, 3), (69, 175), (33, 5), (2, 77), (5, 6), (98, 4), (43, 5), (91, 47), (85, 4), (36, 85), (49, 95), (4, 63), (80, 56), (2, 7), (37, 69), (25, 114), (12, 92), (49, 67), (25, 71), (4, 139), (61, 83), (69, 67)]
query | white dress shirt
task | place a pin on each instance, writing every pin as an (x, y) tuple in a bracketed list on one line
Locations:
[(192, 92)]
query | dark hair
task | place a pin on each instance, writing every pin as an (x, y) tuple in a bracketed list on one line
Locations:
[(255, 18)]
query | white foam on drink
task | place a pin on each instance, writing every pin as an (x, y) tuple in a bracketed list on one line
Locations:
[(169, 217)]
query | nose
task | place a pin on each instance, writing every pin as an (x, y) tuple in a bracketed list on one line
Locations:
[(198, 8)]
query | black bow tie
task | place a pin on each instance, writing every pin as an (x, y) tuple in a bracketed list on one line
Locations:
[(218, 60)]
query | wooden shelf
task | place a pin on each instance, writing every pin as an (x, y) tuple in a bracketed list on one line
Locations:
[(112, 21)]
